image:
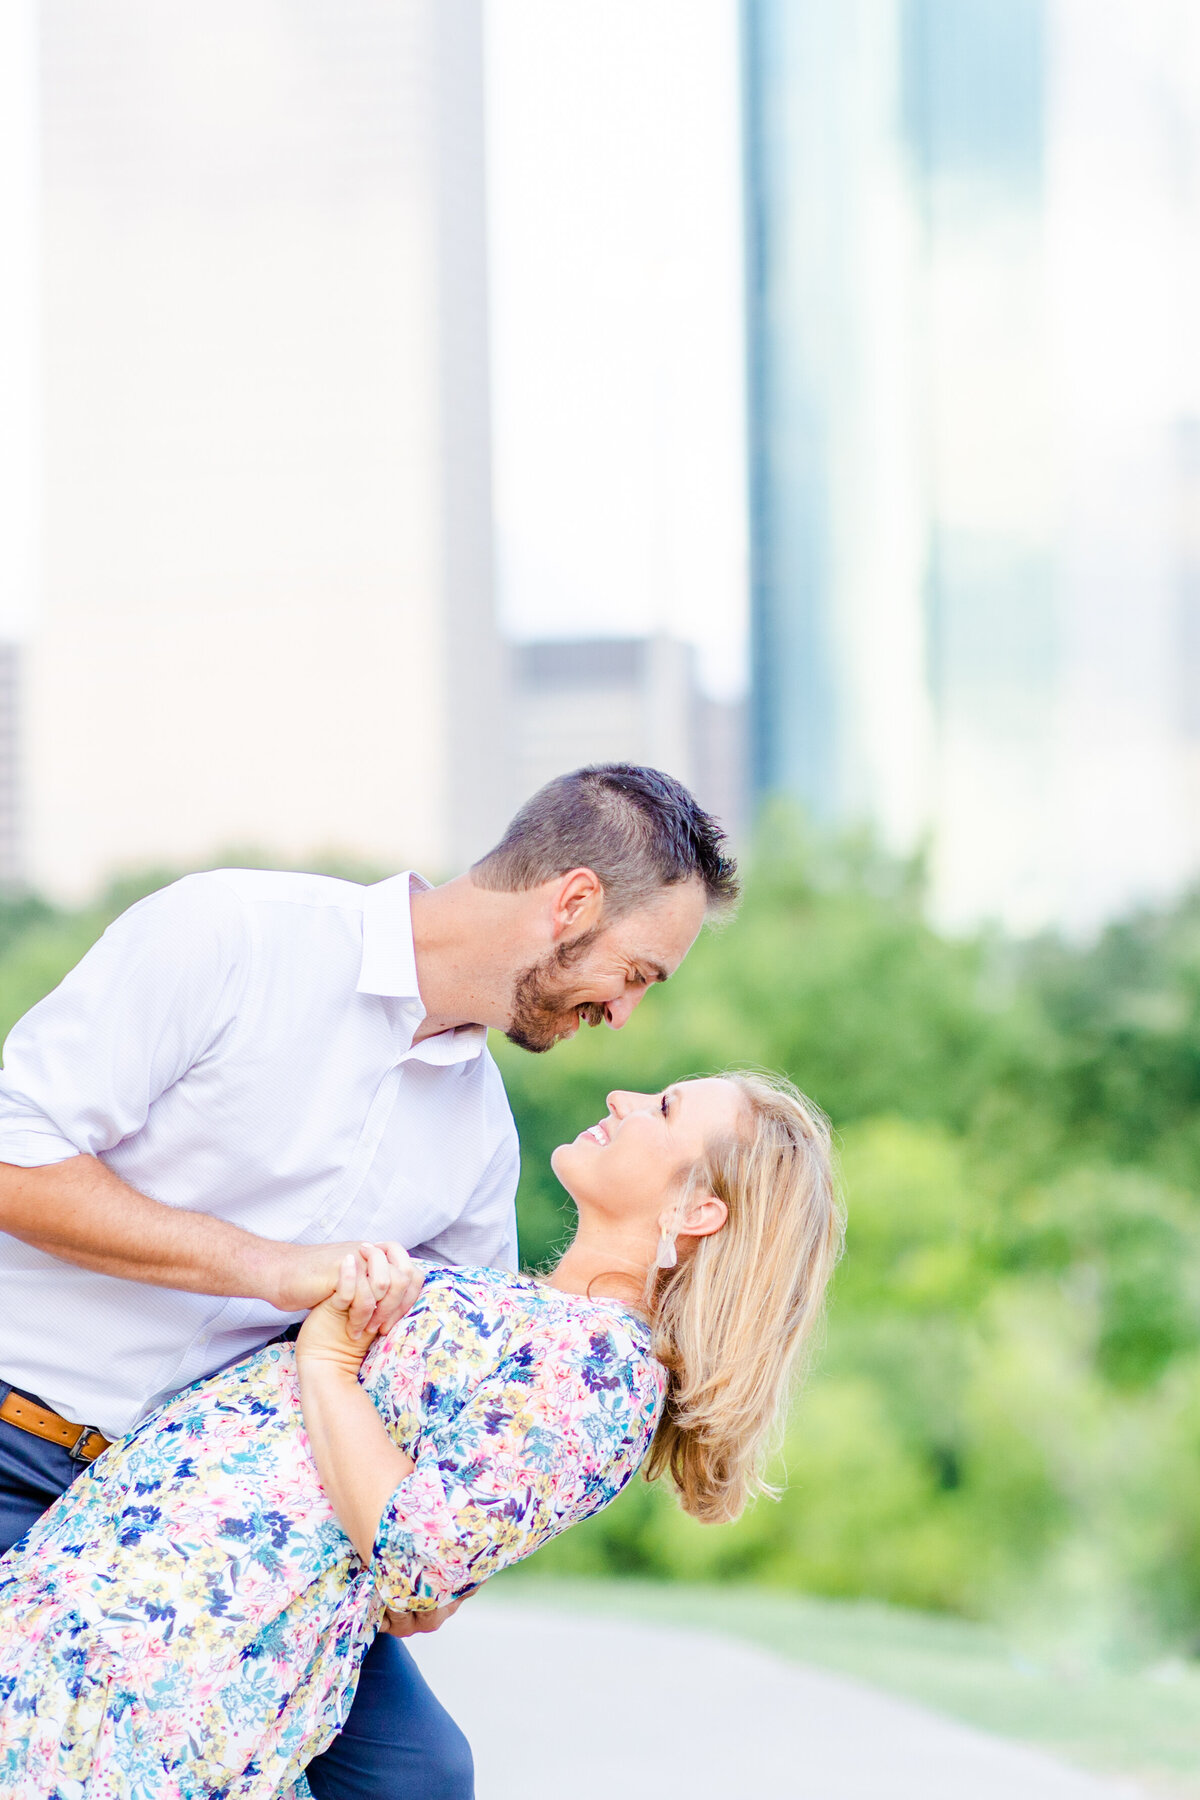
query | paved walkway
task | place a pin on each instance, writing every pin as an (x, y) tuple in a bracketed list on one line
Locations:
[(571, 1708)]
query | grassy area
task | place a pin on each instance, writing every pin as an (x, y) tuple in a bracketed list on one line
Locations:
[(1144, 1723)]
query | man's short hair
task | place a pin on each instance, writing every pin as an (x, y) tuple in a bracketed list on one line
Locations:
[(637, 829)]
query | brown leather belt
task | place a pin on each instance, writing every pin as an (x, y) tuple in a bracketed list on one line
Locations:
[(83, 1442)]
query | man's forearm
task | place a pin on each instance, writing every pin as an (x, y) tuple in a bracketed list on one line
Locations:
[(81, 1212)]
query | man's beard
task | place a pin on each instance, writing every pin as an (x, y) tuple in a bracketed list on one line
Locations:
[(542, 1015)]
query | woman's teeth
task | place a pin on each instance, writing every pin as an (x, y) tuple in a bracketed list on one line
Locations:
[(597, 1132)]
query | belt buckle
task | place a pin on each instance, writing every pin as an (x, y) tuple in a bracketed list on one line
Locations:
[(76, 1451)]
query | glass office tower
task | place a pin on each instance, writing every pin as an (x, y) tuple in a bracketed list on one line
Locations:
[(973, 271), (904, 644), (839, 713)]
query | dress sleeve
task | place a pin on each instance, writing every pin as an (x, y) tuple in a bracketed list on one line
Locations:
[(535, 1449), (84, 1066)]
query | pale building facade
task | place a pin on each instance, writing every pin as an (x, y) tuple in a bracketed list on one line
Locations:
[(266, 614), (630, 699)]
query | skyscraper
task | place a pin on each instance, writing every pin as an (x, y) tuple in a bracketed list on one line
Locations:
[(839, 712), (973, 128), (267, 610), (972, 476), (1123, 268)]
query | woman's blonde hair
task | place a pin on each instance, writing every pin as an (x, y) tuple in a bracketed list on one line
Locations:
[(731, 1319)]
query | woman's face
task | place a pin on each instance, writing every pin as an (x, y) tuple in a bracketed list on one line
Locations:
[(632, 1163)]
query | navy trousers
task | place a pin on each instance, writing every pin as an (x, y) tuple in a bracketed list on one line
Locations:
[(399, 1743)]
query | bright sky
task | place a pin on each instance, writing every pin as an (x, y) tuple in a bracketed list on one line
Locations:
[(616, 321)]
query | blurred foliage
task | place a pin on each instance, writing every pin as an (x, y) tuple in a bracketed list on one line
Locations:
[(1005, 1417)]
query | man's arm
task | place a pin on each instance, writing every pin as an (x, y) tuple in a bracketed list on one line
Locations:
[(82, 1071), (80, 1212)]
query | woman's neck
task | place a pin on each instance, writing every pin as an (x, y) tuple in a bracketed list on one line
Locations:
[(604, 1265)]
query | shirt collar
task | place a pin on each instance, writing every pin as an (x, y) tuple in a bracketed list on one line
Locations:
[(389, 966), (389, 961)]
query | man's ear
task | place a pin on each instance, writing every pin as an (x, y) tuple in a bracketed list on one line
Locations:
[(576, 904), (705, 1215)]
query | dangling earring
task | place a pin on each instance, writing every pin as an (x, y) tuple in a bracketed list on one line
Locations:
[(666, 1256)]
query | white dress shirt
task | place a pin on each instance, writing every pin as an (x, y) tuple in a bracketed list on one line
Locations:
[(241, 1044)]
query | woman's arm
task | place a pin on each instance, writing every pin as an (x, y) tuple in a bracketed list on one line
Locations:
[(548, 1437), (359, 1465)]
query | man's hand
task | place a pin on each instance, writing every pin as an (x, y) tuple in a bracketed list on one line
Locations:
[(403, 1625), (373, 1283), (303, 1275)]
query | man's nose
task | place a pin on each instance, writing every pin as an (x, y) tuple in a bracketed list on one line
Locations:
[(617, 1012)]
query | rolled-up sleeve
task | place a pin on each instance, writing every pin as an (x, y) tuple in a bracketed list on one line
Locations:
[(84, 1066), (505, 1481), (442, 1533)]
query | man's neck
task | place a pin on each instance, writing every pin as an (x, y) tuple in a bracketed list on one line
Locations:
[(459, 937)]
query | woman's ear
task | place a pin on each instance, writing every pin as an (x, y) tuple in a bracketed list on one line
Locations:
[(705, 1215)]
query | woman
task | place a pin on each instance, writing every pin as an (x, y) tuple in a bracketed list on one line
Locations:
[(190, 1617)]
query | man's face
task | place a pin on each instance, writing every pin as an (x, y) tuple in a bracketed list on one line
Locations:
[(601, 975)]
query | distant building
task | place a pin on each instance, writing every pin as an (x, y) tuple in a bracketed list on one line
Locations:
[(20, 291), (972, 502), (625, 700), (11, 858), (1186, 647), (267, 611), (973, 82), (839, 708)]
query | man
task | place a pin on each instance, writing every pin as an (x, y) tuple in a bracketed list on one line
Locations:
[(252, 1073)]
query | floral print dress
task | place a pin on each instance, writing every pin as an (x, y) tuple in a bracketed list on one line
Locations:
[(189, 1618)]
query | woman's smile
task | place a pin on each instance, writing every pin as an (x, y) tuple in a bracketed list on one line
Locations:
[(650, 1141), (605, 1130)]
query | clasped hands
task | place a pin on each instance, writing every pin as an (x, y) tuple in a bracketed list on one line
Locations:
[(373, 1286), (376, 1286)]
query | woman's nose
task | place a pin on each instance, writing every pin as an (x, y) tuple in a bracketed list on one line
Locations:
[(620, 1102)]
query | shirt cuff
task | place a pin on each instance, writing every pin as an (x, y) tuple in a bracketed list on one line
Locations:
[(32, 1149)]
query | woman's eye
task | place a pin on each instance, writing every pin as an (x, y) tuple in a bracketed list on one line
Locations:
[(664, 1106)]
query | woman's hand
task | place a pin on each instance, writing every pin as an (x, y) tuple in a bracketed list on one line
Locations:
[(338, 1333), (359, 1466)]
